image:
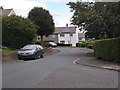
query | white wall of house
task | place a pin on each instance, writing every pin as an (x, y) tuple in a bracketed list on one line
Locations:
[(74, 39), (77, 37), (69, 38)]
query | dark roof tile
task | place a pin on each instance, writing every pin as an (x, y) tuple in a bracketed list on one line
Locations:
[(6, 12), (64, 30)]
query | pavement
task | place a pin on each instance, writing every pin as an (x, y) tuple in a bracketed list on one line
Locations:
[(88, 59)]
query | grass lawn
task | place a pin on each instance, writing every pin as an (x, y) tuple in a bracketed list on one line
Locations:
[(7, 51)]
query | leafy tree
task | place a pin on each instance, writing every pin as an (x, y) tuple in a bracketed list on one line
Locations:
[(99, 19), (17, 31), (0, 30), (43, 19)]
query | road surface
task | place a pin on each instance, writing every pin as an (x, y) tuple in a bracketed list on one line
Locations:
[(58, 71)]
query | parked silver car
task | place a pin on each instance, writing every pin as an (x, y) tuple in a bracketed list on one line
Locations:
[(30, 51)]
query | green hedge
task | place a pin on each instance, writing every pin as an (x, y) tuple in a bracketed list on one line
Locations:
[(86, 44), (108, 49)]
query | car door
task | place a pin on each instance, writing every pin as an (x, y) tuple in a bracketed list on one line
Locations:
[(41, 50), (38, 51)]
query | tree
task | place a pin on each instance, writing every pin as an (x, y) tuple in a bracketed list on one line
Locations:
[(17, 31), (43, 19), (0, 30), (101, 19)]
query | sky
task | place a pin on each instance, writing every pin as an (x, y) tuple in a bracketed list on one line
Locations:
[(57, 8)]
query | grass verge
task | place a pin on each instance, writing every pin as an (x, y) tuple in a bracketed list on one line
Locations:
[(7, 51)]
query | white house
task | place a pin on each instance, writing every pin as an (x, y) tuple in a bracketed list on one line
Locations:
[(66, 35)]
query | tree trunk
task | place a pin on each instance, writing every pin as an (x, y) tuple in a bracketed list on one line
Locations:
[(42, 38)]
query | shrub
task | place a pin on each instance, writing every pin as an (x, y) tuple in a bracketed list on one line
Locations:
[(83, 44), (108, 49), (86, 44), (38, 42), (90, 45), (17, 31)]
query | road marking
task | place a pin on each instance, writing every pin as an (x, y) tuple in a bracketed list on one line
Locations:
[(75, 61)]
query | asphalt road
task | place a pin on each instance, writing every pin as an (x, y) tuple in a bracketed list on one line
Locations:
[(57, 71)]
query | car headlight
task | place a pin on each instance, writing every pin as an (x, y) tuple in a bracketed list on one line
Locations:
[(19, 52)]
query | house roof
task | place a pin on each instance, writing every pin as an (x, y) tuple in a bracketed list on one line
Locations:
[(64, 30), (6, 12)]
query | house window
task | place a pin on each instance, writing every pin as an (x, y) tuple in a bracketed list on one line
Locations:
[(62, 35), (71, 34), (63, 42)]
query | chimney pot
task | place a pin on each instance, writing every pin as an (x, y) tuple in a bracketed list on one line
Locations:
[(67, 25)]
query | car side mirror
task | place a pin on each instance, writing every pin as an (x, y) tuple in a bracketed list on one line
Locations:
[(37, 49)]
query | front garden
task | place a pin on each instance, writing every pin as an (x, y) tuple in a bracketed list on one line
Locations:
[(8, 51)]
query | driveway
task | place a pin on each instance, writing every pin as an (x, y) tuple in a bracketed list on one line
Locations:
[(58, 71)]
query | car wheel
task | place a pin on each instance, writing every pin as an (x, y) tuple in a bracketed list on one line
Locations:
[(19, 58), (35, 56), (42, 55)]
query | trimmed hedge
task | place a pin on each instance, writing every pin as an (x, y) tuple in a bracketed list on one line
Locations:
[(85, 44), (108, 49)]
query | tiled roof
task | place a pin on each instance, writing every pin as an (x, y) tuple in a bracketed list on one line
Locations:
[(6, 12), (64, 30)]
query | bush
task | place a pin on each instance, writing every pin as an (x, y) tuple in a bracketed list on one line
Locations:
[(90, 45), (38, 42), (86, 44), (108, 49), (83, 44), (17, 31)]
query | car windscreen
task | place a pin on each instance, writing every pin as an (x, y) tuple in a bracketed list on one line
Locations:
[(29, 47), (52, 43)]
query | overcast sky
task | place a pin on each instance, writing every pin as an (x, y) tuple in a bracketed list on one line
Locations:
[(57, 8)]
